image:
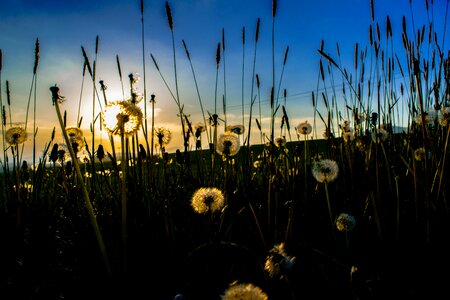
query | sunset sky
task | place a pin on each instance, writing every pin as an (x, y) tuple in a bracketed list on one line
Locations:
[(63, 27)]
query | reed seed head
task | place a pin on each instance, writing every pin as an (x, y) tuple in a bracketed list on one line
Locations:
[(169, 15)]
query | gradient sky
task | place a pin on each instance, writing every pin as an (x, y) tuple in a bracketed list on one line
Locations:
[(62, 27)]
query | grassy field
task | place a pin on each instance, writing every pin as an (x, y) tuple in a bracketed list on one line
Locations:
[(361, 213)]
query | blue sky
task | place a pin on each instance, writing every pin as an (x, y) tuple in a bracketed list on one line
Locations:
[(62, 27)]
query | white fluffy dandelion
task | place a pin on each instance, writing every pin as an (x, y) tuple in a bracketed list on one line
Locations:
[(244, 291), (122, 115), (325, 170), (304, 128), (15, 136), (76, 138), (206, 200), (228, 144), (278, 262)]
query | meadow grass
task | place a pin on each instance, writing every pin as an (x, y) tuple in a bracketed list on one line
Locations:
[(360, 213)]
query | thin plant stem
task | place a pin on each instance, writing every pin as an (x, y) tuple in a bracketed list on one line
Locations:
[(196, 87), (81, 93), (253, 82), (123, 195), (143, 66), (3, 112), (88, 204), (243, 75), (224, 78), (329, 211)]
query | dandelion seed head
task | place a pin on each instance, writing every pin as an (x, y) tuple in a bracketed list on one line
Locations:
[(163, 136), (56, 97), (15, 136), (325, 170), (304, 128), (345, 222), (76, 137), (206, 200), (122, 115), (244, 291), (280, 142), (63, 152), (228, 144), (278, 262)]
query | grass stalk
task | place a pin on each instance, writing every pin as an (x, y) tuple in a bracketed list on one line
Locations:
[(242, 79), (143, 66), (196, 87), (252, 99), (3, 115)]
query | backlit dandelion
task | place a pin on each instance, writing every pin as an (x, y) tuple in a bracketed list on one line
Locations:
[(381, 135), (122, 116), (15, 136), (278, 262), (280, 142), (228, 144), (244, 291), (60, 153), (237, 129), (76, 138), (304, 128), (199, 128), (163, 137), (135, 96), (345, 222), (325, 170), (206, 200)]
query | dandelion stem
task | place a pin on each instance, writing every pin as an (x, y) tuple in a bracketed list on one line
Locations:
[(87, 200), (123, 194), (329, 211)]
